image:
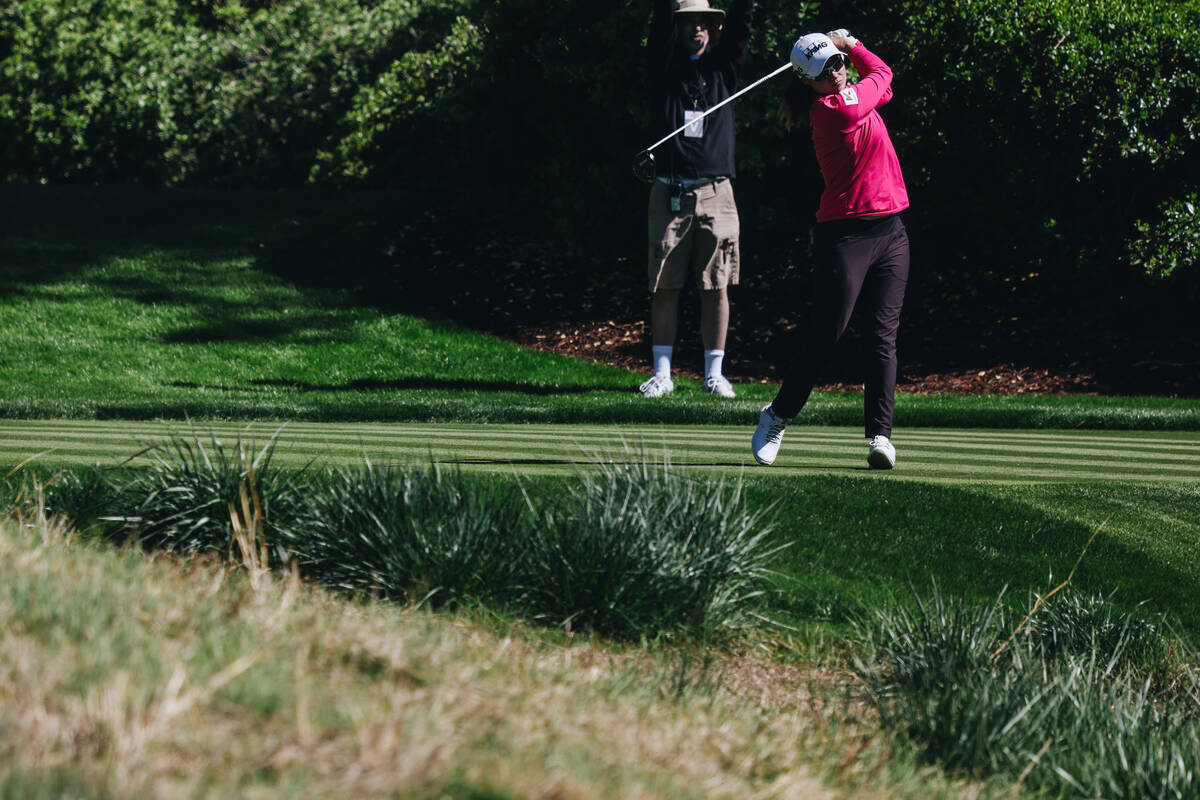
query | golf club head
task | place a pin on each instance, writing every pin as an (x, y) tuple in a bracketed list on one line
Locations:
[(643, 166)]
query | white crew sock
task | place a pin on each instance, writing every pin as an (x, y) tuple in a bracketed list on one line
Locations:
[(662, 359), (712, 363)]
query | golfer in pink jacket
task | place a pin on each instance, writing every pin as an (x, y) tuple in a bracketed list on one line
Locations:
[(860, 245)]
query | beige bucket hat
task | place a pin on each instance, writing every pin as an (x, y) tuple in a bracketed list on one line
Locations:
[(698, 7)]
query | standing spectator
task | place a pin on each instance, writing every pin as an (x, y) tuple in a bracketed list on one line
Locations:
[(696, 54), (860, 246)]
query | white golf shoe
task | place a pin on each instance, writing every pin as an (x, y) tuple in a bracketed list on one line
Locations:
[(767, 436), (657, 386), (881, 455), (720, 386)]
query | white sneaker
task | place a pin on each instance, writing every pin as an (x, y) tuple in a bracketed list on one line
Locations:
[(657, 386), (720, 386), (882, 454), (767, 436)]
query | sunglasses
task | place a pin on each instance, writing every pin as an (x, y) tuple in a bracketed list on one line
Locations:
[(834, 63)]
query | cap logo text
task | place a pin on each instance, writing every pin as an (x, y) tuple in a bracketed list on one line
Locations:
[(815, 49)]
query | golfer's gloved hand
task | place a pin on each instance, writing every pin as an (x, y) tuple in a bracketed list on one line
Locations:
[(845, 34)]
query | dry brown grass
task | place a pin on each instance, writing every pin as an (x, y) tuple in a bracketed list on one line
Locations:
[(370, 700)]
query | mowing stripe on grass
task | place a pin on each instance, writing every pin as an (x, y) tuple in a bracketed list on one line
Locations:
[(953, 456)]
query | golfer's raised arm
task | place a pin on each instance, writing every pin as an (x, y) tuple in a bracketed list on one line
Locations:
[(735, 35), (874, 72), (874, 88), (660, 43)]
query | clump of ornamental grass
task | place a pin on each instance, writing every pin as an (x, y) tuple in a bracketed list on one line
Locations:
[(1080, 624), (80, 496), (639, 548), (635, 549), (408, 533), (186, 499), (1077, 700)]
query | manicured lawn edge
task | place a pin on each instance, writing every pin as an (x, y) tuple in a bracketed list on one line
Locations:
[(917, 411)]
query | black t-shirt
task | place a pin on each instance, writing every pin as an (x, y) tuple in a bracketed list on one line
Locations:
[(680, 84)]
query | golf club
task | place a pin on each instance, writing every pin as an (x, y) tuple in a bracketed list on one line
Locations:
[(643, 162)]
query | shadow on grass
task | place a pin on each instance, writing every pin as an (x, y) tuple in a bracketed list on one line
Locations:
[(855, 543), (326, 245), (398, 385)]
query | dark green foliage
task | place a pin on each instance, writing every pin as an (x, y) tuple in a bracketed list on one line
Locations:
[(184, 500), (1049, 146), (410, 101), (406, 533), (1076, 124), (82, 497), (539, 98), (167, 91), (88, 86), (1066, 132), (641, 547), (1170, 237), (1085, 703)]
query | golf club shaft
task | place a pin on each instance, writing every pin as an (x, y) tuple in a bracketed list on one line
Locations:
[(729, 99)]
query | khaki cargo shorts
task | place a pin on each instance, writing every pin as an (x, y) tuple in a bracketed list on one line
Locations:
[(699, 239)]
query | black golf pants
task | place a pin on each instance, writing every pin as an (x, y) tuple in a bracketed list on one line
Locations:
[(861, 260)]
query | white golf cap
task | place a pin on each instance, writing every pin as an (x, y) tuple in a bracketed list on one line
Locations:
[(810, 52)]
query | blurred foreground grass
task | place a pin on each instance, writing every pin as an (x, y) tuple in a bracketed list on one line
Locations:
[(126, 676)]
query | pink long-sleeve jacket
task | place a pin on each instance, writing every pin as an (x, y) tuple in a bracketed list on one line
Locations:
[(861, 171)]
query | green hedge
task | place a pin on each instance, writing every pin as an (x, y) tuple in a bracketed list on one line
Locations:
[(1067, 127), (1038, 136), (185, 91), (541, 96)]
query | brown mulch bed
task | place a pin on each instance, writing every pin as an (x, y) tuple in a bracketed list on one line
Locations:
[(596, 308), (622, 345)]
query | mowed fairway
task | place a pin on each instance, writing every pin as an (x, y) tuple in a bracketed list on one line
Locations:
[(926, 454)]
